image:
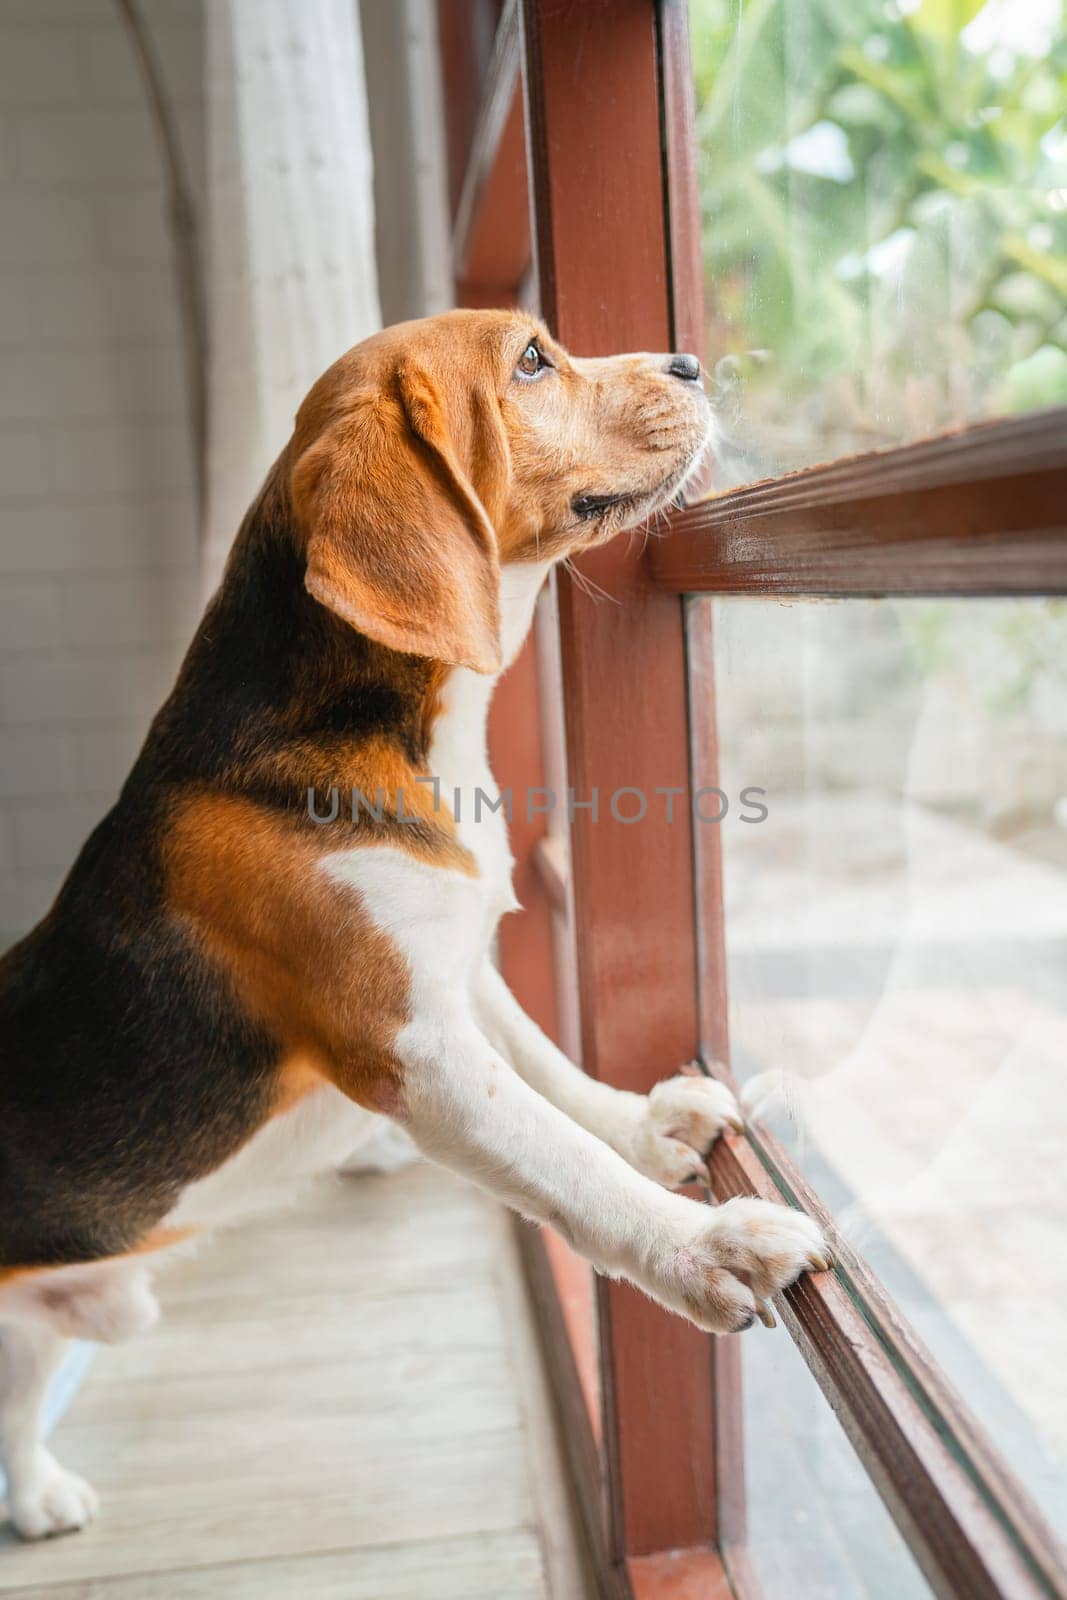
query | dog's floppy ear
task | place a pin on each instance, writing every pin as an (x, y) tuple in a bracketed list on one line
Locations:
[(398, 542)]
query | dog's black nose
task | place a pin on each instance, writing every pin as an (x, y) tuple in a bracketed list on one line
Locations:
[(685, 367)]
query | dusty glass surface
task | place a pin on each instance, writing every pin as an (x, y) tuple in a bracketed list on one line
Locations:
[(896, 937), (884, 215), (815, 1528)]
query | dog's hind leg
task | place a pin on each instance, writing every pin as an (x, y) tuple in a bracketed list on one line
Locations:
[(40, 1310), (43, 1498)]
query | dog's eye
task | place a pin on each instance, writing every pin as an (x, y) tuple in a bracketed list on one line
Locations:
[(532, 361)]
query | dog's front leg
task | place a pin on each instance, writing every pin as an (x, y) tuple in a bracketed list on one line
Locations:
[(468, 1110), (665, 1134)]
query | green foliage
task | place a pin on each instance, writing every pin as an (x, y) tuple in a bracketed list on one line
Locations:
[(884, 193), (1000, 655)]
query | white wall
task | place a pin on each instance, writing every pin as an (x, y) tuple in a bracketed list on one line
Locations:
[(98, 538)]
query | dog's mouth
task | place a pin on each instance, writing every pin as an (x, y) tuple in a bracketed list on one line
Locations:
[(631, 506), (591, 507), (587, 507)]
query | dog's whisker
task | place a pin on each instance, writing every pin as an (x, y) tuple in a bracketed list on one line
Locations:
[(588, 585)]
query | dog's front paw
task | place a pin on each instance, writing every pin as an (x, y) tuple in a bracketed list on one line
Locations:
[(51, 1500), (679, 1122), (734, 1261), (768, 1246)]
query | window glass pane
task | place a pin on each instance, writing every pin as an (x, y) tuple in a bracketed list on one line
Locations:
[(815, 1528), (884, 198), (896, 941)]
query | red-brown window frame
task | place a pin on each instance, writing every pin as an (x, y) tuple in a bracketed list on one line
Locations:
[(612, 237)]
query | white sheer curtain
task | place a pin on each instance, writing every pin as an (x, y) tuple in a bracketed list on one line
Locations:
[(291, 278)]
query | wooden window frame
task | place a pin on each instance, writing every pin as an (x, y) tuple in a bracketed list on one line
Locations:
[(589, 108), (981, 511)]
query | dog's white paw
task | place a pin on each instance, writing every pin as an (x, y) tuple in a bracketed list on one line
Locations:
[(679, 1122), (51, 1500), (738, 1256)]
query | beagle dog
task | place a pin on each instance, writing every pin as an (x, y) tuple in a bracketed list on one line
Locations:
[(228, 985)]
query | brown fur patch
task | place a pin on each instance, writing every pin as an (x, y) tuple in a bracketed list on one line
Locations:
[(383, 780), (298, 1076), (302, 955)]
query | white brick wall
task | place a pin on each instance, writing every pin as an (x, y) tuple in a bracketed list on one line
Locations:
[(98, 542)]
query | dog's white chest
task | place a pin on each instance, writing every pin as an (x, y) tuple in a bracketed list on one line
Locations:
[(442, 920), (458, 755), (458, 760)]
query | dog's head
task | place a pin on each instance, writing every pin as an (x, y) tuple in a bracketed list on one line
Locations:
[(438, 450)]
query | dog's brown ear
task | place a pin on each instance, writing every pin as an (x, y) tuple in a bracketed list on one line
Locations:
[(398, 542)]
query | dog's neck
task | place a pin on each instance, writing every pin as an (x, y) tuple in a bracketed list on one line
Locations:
[(458, 751), (520, 584)]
